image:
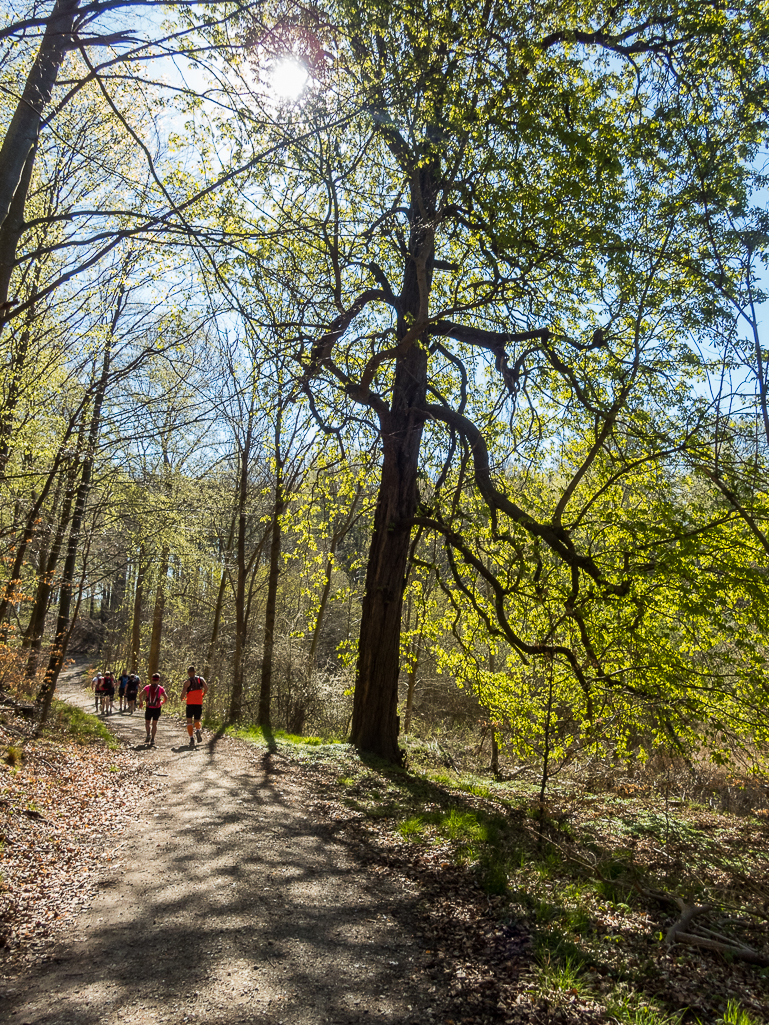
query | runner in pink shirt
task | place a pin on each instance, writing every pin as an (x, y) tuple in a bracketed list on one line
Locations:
[(154, 696)]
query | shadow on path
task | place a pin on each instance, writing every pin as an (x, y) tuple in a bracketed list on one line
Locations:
[(230, 903)]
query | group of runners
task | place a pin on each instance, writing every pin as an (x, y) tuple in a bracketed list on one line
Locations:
[(104, 686), (153, 695)]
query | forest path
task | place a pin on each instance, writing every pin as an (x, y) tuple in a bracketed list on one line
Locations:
[(228, 901)]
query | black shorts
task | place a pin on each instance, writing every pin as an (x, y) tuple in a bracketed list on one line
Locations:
[(121, 690), (152, 713), (194, 712), (130, 695)]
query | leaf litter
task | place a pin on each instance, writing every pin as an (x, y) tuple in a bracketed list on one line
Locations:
[(575, 935), (564, 934), (63, 807)]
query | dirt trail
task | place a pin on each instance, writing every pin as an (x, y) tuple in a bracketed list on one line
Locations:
[(230, 902)]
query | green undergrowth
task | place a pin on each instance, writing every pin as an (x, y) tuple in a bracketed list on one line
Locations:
[(575, 870), (79, 725), (268, 737)]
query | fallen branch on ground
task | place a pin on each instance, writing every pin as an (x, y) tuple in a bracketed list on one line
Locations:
[(679, 930)]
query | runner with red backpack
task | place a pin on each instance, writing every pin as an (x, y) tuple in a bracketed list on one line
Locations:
[(108, 690), (154, 696), (194, 690)]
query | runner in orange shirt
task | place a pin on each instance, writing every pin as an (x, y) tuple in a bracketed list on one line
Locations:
[(194, 690)]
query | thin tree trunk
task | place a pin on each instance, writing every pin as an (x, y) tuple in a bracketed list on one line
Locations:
[(219, 606), (34, 511), (22, 134), (36, 628), (241, 619), (136, 624), (494, 742), (323, 602), (412, 684), (63, 624), (375, 721), (265, 689), (158, 615), (494, 751), (335, 539), (546, 751)]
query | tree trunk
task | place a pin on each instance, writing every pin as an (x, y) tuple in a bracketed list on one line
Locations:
[(116, 596), (21, 137), (323, 602), (33, 512), (218, 608), (10, 233), (412, 684), (158, 616), (63, 630), (375, 720), (494, 752), (36, 628), (136, 624), (236, 695), (13, 227), (265, 689)]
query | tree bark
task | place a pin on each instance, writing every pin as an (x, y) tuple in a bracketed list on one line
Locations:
[(375, 721), (336, 537), (63, 630), (36, 627), (22, 134), (13, 227), (412, 685), (219, 605), (313, 656), (265, 689), (158, 615), (136, 623), (241, 619)]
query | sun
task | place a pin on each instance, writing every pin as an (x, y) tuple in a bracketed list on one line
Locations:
[(288, 78)]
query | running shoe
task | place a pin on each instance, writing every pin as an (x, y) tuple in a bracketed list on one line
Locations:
[(192, 741), (199, 735)]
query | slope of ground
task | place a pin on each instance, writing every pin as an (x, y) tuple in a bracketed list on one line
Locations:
[(260, 880), (229, 901)]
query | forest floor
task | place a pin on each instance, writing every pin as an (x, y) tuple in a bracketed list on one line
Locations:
[(259, 880)]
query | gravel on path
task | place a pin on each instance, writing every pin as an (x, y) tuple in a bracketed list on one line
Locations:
[(233, 902)]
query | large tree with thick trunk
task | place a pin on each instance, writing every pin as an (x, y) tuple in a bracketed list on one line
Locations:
[(498, 195)]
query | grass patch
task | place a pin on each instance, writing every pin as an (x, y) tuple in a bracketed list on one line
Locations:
[(736, 1015), (81, 726), (560, 975), (13, 756), (412, 829), (628, 1012), (260, 735)]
